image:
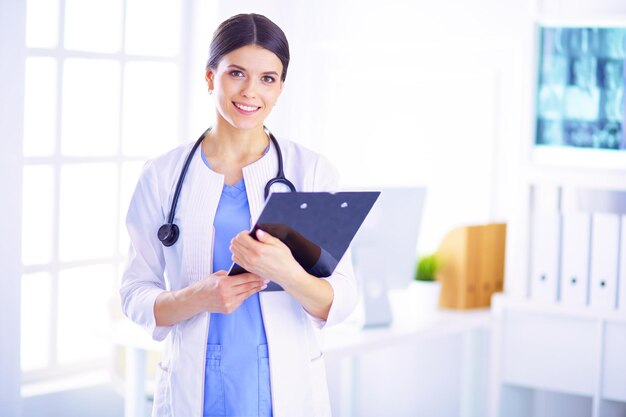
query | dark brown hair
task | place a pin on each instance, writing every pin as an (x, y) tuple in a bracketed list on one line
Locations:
[(248, 29)]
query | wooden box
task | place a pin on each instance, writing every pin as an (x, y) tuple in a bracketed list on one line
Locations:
[(472, 265)]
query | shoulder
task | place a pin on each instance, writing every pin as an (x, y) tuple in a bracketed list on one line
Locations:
[(313, 166), (301, 154), (168, 161)]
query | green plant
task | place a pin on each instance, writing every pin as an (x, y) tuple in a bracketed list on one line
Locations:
[(427, 267)]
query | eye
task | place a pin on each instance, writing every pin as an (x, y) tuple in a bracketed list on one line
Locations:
[(236, 73), (268, 79)]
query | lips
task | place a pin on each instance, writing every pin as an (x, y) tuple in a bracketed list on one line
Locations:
[(246, 108)]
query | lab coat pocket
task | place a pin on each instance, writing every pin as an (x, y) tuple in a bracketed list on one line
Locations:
[(321, 400), (162, 390), (265, 396), (214, 401)]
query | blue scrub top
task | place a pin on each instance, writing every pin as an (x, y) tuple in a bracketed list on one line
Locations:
[(237, 377)]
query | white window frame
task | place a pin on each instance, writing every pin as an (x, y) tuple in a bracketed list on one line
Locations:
[(12, 169)]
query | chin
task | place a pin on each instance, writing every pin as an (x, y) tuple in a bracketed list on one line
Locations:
[(245, 123)]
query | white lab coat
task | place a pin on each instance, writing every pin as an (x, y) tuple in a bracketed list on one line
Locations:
[(297, 373)]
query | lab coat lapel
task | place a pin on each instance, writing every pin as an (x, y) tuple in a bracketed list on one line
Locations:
[(201, 191)]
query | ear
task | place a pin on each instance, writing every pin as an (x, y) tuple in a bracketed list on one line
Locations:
[(209, 76)]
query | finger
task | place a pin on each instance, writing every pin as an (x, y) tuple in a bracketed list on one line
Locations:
[(265, 237), (252, 291), (250, 286), (244, 278), (244, 239), (221, 272)]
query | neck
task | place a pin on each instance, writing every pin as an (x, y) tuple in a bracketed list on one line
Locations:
[(227, 141)]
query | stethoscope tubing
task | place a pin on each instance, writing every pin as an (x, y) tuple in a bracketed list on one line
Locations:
[(169, 232)]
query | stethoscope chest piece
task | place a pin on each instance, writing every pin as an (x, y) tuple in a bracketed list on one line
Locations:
[(168, 234)]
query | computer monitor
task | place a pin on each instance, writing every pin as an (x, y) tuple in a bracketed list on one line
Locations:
[(384, 251)]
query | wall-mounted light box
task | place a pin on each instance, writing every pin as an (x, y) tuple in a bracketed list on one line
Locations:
[(580, 83)]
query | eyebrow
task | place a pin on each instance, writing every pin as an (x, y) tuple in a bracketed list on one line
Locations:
[(243, 69)]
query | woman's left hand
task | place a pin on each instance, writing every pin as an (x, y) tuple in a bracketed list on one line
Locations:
[(268, 257)]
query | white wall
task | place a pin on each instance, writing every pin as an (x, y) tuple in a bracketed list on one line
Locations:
[(408, 93), (12, 15)]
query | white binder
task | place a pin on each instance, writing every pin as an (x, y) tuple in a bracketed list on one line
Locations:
[(575, 242), (544, 262), (605, 234)]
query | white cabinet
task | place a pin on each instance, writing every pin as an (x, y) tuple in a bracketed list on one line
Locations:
[(553, 353), (614, 364), (551, 360)]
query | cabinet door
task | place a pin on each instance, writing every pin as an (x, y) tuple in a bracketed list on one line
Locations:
[(548, 352), (604, 260), (614, 371), (545, 246), (575, 259)]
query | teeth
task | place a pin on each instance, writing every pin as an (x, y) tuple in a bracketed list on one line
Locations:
[(246, 108)]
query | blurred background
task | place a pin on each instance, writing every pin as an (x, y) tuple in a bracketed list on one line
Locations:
[(437, 94)]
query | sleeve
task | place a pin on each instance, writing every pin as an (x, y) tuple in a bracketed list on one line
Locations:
[(143, 279), (342, 280)]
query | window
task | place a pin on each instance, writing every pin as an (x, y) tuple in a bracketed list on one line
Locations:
[(103, 87)]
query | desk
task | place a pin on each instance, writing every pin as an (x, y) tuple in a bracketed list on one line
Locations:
[(345, 340)]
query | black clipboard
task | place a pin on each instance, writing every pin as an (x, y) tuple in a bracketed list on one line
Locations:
[(316, 226)]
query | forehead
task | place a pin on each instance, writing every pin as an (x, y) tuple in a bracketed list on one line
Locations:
[(253, 58)]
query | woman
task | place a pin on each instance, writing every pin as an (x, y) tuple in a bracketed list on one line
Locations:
[(231, 349)]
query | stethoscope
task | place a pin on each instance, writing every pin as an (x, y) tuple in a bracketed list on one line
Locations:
[(169, 232)]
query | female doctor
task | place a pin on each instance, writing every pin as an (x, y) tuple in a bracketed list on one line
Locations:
[(231, 349)]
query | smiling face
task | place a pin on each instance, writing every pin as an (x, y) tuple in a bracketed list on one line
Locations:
[(246, 84)]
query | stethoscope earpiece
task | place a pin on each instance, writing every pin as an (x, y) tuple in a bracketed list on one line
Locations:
[(168, 234)]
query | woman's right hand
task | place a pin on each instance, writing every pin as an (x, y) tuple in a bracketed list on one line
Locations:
[(217, 293)]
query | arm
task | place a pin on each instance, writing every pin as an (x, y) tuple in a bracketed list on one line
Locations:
[(269, 257), (217, 293)]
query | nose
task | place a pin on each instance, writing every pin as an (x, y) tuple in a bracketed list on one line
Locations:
[(249, 89)]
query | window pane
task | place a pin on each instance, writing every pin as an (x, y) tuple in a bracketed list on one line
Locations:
[(150, 108), (84, 314), (42, 23), (37, 214), (35, 326), (153, 27), (130, 175), (91, 91), (93, 25), (89, 207), (40, 106)]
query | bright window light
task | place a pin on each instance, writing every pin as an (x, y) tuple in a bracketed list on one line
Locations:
[(37, 214), (89, 203), (90, 121), (40, 106), (42, 23), (83, 313), (152, 27), (93, 25), (150, 118), (35, 326)]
